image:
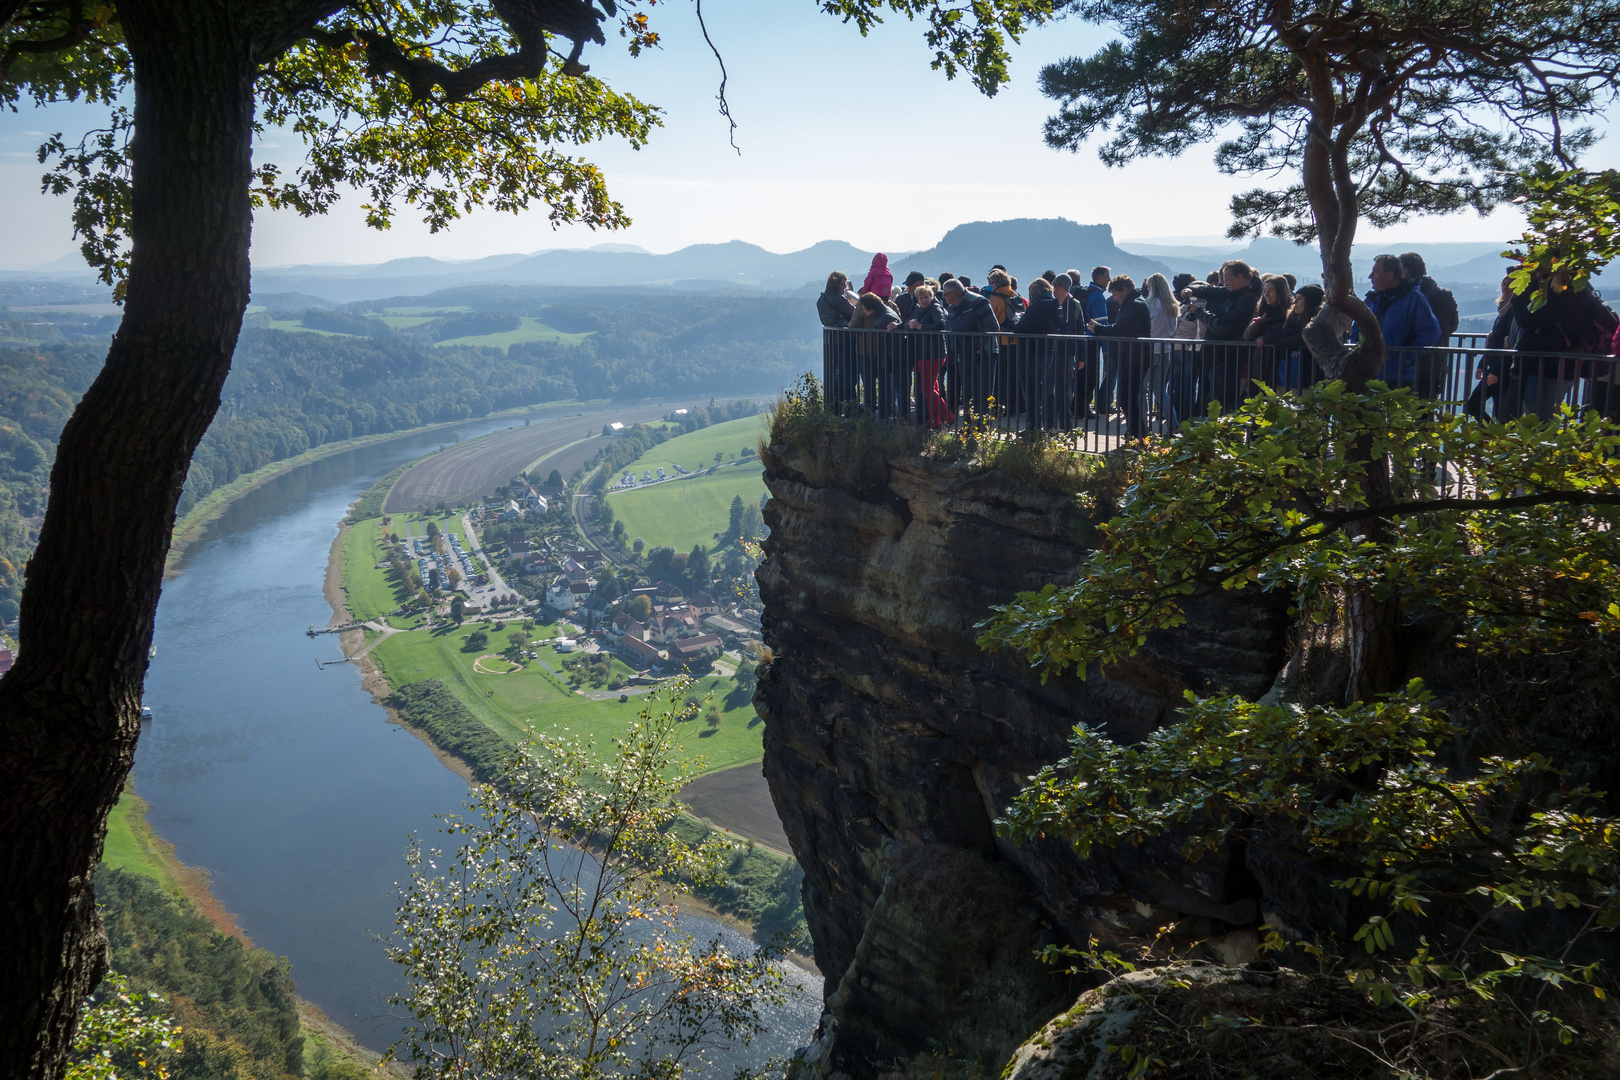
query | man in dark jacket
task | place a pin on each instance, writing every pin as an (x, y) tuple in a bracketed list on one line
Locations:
[(1406, 319), (906, 301), (1128, 359), (1046, 376), (1433, 368), (971, 366), (1559, 325), (1072, 354), (1231, 306)]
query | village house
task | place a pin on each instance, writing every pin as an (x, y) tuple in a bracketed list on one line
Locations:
[(704, 604), (638, 653), (624, 625), (687, 648)]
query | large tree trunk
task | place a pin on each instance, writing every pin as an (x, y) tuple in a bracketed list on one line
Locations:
[(1372, 626), (69, 709)]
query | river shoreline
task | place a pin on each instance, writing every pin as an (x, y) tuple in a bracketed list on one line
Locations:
[(376, 684)]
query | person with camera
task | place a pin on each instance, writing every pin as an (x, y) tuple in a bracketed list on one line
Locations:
[(1231, 306)]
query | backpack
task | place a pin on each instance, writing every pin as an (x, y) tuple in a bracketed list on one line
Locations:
[(1444, 305), (1599, 332)]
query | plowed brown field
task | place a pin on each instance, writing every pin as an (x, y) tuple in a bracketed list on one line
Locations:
[(462, 474)]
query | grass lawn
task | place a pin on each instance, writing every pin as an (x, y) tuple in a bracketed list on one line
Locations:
[(686, 512), (132, 845), (403, 322), (370, 595), (696, 449), (531, 330), (534, 701), (428, 312)]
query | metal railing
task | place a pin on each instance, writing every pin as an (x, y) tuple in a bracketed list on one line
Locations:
[(1101, 392)]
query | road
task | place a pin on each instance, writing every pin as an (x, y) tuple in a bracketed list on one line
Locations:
[(497, 586)]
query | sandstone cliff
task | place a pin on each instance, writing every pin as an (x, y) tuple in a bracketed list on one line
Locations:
[(892, 743)]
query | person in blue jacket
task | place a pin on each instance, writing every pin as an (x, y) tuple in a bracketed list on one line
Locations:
[(1408, 322), (971, 364)]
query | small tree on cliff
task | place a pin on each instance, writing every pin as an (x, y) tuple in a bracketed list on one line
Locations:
[(549, 947)]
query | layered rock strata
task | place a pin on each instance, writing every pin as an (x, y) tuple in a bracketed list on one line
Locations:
[(893, 742)]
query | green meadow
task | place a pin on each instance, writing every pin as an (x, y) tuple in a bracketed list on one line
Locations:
[(531, 330), (689, 511), (695, 450)]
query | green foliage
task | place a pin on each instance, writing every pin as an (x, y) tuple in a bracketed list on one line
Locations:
[(235, 1005), (435, 711), (530, 958), (1360, 788), (475, 641), (122, 1033), (1574, 229), (1260, 498), (970, 38)]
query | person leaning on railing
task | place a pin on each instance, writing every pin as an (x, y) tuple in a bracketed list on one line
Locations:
[(1407, 320), (927, 345), (970, 369), (1296, 369)]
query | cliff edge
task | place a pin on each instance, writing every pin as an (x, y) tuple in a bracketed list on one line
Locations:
[(893, 742)]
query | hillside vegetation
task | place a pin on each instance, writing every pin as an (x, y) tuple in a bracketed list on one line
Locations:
[(328, 376)]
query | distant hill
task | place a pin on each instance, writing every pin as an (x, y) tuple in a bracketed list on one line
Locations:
[(1027, 247)]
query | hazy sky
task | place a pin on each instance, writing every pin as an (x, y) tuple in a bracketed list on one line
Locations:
[(842, 138)]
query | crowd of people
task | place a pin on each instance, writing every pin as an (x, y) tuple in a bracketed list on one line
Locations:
[(1071, 348)]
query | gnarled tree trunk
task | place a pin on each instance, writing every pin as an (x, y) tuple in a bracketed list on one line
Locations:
[(69, 709)]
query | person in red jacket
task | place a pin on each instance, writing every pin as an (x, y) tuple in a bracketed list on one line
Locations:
[(878, 279)]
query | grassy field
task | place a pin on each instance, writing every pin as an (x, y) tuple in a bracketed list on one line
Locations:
[(429, 312), (369, 593), (687, 512), (696, 450), (531, 330), (536, 700), (299, 328), (403, 322), (132, 845)]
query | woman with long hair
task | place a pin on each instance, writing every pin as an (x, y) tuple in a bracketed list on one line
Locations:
[(1295, 367), (1165, 313)]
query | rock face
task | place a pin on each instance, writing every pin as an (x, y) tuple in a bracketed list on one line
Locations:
[(893, 742)]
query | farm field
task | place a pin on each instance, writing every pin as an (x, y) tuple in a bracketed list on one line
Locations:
[(682, 513), (296, 327), (462, 474), (535, 701), (531, 330)]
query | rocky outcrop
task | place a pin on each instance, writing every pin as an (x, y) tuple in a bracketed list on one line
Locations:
[(893, 742)]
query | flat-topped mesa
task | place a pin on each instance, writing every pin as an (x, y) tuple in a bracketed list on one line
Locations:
[(893, 742)]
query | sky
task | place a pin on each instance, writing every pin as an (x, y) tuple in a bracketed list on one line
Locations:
[(842, 138)]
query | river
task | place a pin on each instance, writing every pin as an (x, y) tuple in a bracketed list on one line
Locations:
[(285, 781)]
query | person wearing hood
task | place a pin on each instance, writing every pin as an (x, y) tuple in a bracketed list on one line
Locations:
[(1407, 320), (1134, 320), (878, 279)]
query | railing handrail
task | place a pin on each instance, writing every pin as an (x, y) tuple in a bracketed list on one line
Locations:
[(1187, 342)]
